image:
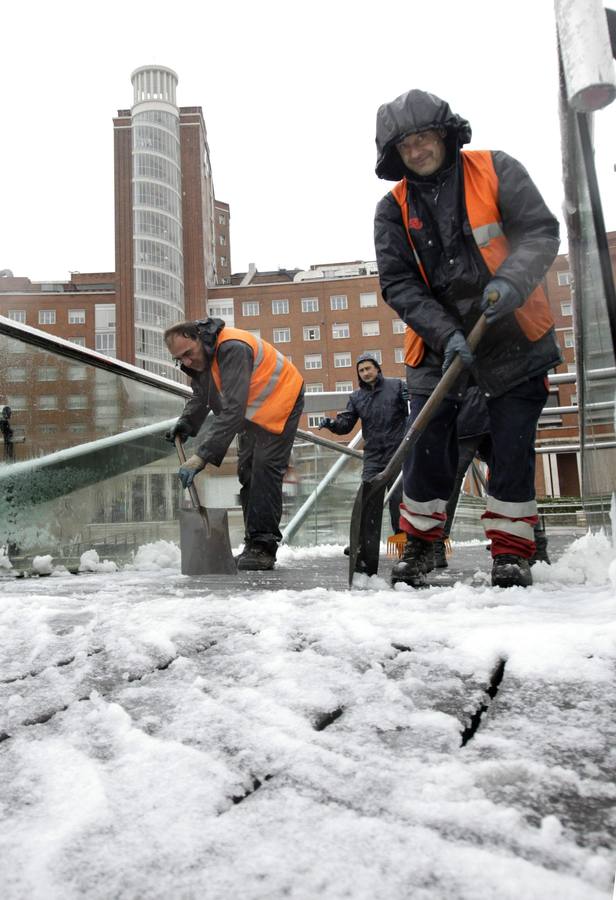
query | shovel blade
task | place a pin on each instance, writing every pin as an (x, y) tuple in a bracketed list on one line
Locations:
[(206, 552)]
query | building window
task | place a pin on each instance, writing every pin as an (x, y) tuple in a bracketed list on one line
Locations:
[(222, 240), (77, 401), (569, 339), (222, 309), (572, 367), (48, 429), (564, 278), (15, 346), (80, 341), (222, 220), (399, 354), (47, 317), (280, 307), (223, 260), (105, 343), (310, 304), (370, 329), (344, 387), (46, 373), (76, 373), (573, 399), (313, 361), (338, 301), (48, 401), (313, 420), (341, 330), (375, 354), (342, 360), (315, 388), (17, 315), (76, 317), (312, 332), (255, 332), (250, 308), (367, 299), (78, 428), (17, 402), (15, 373), (282, 335), (566, 309), (398, 326)]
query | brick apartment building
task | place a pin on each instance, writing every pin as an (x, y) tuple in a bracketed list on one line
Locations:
[(173, 261)]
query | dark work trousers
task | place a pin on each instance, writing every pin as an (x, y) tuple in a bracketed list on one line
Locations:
[(430, 468), (480, 445), (372, 514), (263, 458), (468, 447)]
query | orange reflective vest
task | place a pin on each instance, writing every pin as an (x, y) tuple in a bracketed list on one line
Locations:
[(481, 199), (275, 383)]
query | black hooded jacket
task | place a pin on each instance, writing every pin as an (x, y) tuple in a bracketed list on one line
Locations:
[(383, 409), (455, 269)]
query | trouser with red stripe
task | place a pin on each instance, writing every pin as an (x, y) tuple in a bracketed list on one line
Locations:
[(430, 470)]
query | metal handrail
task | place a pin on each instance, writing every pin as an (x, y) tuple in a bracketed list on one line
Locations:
[(62, 347)]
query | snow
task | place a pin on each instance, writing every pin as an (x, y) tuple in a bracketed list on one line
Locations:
[(90, 562), (163, 739)]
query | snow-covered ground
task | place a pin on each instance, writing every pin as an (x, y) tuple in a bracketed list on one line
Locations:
[(160, 740)]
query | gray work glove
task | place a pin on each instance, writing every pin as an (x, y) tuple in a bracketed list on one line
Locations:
[(456, 344), (189, 469), (181, 428), (325, 423), (508, 299)]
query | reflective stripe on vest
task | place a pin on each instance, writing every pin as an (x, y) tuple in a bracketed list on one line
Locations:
[(481, 199), (275, 383)]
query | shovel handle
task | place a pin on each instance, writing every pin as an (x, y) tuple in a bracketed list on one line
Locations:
[(192, 490), (426, 413)]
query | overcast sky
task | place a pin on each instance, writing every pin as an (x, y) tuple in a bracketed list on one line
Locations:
[(289, 94)]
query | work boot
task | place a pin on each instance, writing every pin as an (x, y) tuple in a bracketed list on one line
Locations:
[(416, 561), (257, 556), (511, 571), (440, 555)]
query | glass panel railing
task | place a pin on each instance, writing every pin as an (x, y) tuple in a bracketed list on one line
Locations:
[(91, 468)]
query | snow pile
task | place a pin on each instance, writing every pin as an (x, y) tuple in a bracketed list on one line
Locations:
[(158, 555), (42, 565), (5, 562), (588, 560), (287, 553), (90, 562)]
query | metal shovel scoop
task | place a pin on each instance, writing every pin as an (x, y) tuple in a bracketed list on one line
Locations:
[(204, 536)]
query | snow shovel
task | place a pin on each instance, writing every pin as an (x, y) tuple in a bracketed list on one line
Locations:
[(368, 488), (204, 536)]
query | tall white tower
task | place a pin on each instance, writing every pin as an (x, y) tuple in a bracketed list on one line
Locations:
[(158, 265)]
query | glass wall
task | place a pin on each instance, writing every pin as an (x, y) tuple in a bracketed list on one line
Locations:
[(90, 467)]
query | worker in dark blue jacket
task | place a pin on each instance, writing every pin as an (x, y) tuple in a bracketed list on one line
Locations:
[(382, 406)]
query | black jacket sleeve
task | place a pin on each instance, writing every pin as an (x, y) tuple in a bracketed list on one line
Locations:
[(402, 285), (345, 420), (530, 227), (197, 408), (235, 361)]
